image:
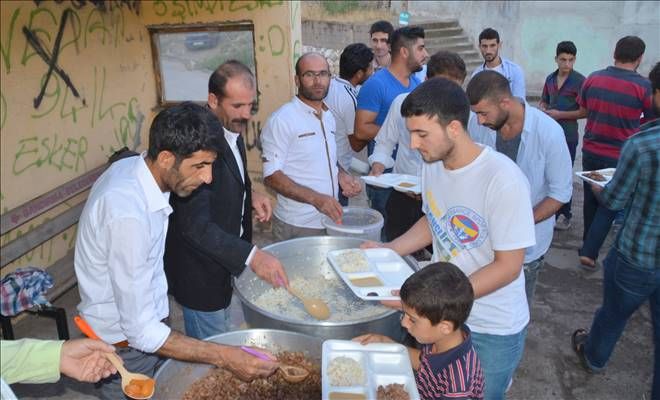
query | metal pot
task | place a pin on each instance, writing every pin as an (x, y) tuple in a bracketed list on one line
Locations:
[(175, 377), (304, 257)]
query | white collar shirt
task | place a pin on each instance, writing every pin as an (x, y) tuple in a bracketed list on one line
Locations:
[(512, 72), (301, 145), (342, 102), (232, 138), (544, 159), (119, 256)]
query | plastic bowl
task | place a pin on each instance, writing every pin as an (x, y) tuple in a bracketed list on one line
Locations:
[(359, 222)]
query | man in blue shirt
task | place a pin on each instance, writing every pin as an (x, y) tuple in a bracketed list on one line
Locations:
[(376, 95), (632, 268), (535, 142), (490, 46)]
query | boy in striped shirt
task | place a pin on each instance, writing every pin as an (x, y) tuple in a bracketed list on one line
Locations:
[(436, 303)]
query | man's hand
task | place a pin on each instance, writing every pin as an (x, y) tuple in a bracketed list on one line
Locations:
[(263, 210), (349, 184), (84, 360), (395, 304), (597, 189), (552, 113), (269, 268), (329, 206), (370, 244), (246, 366), (372, 338), (377, 169)]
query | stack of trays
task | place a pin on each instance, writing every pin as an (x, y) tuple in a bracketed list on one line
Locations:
[(371, 274), (380, 364)]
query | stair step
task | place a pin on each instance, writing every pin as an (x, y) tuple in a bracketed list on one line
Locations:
[(450, 46), (460, 39), (443, 32), (438, 24)]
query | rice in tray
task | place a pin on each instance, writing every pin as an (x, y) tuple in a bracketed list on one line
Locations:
[(352, 260), (344, 305), (345, 371)]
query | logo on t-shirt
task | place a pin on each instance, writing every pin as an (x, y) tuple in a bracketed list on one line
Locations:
[(466, 227)]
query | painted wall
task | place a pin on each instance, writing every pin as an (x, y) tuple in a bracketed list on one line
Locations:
[(77, 83), (530, 30)]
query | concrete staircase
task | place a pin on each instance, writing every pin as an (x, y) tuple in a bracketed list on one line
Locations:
[(448, 35)]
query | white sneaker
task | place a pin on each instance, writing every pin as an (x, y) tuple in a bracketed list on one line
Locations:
[(562, 223)]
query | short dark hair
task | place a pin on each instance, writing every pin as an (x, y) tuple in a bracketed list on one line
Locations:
[(405, 37), (438, 97), (489, 34), (439, 292), (629, 49), (381, 26), (487, 84), (654, 77), (301, 58), (183, 130), (567, 47), (446, 63), (354, 58), (227, 70)]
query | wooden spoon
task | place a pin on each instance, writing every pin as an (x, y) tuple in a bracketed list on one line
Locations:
[(314, 307), (291, 373), (136, 386)]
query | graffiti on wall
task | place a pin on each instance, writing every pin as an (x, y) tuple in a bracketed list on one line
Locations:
[(60, 97), (182, 10)]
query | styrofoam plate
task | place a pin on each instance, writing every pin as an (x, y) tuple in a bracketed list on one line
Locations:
[(383, 265), (382, 363), (607, 173), (400, 182)]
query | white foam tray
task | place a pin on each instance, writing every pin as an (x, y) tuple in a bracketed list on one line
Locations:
[(385, 264), (395, 181), (382, 363), (607, 173)]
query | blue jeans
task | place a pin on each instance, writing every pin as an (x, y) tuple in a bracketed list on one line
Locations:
[(625, 288), (531, 270), (499, 355), (378, 200), (202, 324)]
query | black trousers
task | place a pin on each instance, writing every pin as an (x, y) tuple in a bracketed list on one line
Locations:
[(403, 212)]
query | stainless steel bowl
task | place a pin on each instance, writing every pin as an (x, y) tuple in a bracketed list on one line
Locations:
[(175, 377), (304, 257)]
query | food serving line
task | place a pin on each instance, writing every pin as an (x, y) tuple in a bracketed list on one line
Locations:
[(351, 282)]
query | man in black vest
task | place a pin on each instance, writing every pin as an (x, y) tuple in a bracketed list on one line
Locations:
[(210, 232)]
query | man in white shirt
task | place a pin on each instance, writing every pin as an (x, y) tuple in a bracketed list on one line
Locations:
[(300, 157), (379, 38), (210, 233), (477, 216), (404, 209), (535, 142), (355, 68), (121, 241), (490, 46)]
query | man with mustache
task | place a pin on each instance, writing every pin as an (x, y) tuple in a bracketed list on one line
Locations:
[(535, 142), (210, 232), (300, 156), (490, 46)]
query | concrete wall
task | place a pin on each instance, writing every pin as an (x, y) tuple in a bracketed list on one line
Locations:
[(334, 35), (530, 30), (108, 97)]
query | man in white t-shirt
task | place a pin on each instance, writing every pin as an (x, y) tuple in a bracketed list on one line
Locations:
[(355, 68), (300, 156), (478, 217)]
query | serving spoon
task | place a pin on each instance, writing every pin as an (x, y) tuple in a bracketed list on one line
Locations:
[(135, 386), (317, 308), (291, 373)]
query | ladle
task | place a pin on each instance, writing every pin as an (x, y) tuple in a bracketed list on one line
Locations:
[(291, 373), (141, 386), (314, 307)]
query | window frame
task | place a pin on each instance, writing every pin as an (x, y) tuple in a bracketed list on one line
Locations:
[(155, 30)]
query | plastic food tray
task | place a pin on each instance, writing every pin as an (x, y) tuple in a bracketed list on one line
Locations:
[(400, 182), (384, 264), (382, 363), (607, 173)]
